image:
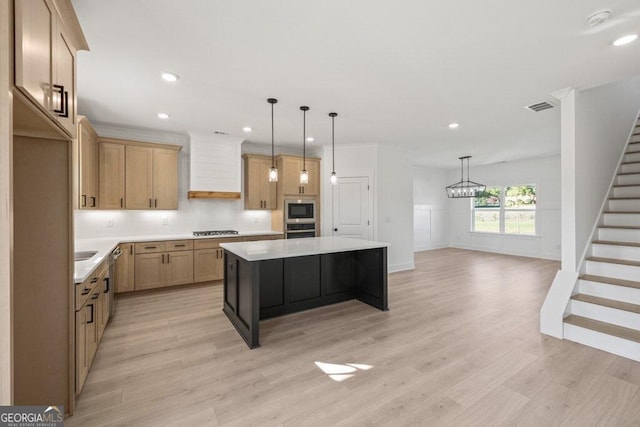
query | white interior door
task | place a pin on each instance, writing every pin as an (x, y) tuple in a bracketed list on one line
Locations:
[(351, 208)]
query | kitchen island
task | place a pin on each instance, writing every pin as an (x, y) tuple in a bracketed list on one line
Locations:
[(272, 278)]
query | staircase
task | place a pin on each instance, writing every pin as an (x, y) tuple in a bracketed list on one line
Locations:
[(605, 311)]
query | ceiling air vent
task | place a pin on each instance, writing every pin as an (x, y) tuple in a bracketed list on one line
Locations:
[(540, 106)]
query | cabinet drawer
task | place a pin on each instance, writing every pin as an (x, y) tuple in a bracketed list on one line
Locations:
[(179, 245), (150, 247), (213, 243), (262, 237), (84, 289)]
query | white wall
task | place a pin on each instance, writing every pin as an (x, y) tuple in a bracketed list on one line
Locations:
[(430, 208), (542, 171), (604, 117), (389, 173), (395, 206)]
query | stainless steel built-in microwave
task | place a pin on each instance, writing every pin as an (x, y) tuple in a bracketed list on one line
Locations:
[(299, 211)]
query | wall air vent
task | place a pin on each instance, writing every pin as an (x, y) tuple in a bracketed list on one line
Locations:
[(540, 106)]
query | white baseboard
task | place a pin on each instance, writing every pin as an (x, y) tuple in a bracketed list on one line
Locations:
[(402, 267), (429, 248)]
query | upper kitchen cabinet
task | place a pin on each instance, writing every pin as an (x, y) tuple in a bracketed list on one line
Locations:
[(151, 177), (290, 167), (112, 175), (86, 165), (47, 36), (259, 193), (138, 175)]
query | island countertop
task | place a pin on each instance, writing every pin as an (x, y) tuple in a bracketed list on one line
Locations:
[(287, 248)]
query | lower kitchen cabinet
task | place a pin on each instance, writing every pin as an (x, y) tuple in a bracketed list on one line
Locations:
[(125, 269), (92, 315), (167, 268), (208, 265)]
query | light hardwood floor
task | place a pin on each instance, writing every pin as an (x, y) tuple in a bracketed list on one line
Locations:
[(459, 346)]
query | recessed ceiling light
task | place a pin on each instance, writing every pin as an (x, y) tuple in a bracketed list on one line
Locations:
[(163, 116), (625, 39), (247, 129), (170, 77), (453, 125), (309, 139)]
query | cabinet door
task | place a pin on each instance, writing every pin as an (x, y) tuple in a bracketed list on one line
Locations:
[(34, 21), (138, 177), (203, 265), (124, 270), (106, 304), (291, 169), (88, 166), (259, 192), (111, 175), (179, 268), (165, 179), (91, 328), (313, 187), (82, 367), (149, 271), (63, 94), (218, 266)]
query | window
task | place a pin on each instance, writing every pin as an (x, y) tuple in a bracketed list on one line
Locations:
[(509, 210)]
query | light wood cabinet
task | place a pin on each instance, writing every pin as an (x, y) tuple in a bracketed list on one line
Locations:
[(157, 267), (290, 168), (112, 175), (165, 179), (139, 177), (91, 317), (151, 177), (125, 269), (45, 60), (86, 167), (259, 193), (208, 259)]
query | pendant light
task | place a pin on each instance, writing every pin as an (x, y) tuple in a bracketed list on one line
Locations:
[(273, 171), (334, 177), (304, 176), (464, 188)]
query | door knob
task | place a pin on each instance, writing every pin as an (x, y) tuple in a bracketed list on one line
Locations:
[(335, 229)]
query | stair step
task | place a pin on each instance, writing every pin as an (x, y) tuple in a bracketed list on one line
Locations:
[(611, 281), (603, 327), (625, 227), (629, 173), (621, 212), (608, 242), (614, 261), (625, 198), (626, 185), (619, 305)]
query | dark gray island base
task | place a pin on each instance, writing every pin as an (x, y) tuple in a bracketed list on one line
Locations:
[(255, 290)]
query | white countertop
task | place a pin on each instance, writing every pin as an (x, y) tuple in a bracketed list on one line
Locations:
[(104, 246), (274, 249)]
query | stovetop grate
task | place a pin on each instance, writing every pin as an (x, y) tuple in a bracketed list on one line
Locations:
[(214, 232)]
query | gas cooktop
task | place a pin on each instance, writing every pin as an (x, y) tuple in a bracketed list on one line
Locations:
[(214, 232)]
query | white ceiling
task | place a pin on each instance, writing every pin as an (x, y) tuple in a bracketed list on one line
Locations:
[(396, 72)]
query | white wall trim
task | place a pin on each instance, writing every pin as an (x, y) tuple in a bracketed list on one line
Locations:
[(107, 130), (401, 267)]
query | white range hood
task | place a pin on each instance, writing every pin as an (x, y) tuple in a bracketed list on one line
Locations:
[(215, 170)]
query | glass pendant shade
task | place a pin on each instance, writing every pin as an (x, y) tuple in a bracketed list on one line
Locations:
[(273, 174), (304, 177), (334, 178), (464, 187)]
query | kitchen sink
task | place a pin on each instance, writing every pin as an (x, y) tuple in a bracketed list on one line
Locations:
[(83, 255)]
